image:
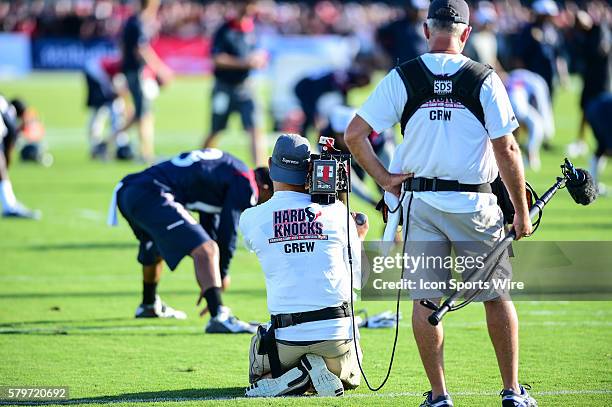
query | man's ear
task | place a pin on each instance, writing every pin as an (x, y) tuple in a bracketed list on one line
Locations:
[(465, 34), (426, 30)]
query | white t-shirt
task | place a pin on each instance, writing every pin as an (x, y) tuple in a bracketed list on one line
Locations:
[(302, 248), (444, 139)]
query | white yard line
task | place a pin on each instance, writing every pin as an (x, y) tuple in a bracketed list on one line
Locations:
[(119, 400), (19, 328)]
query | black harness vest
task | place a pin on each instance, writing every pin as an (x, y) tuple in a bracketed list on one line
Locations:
[(422, 86)]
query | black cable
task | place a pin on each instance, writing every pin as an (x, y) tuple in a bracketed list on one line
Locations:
[(399, 291)]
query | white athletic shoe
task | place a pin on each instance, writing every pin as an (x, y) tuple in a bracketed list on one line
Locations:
[(290, 381), (512, 399), (325, 382), (20, 211), (159, 309), (226, 323)]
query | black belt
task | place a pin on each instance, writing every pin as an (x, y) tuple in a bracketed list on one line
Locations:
[(286, 320), (422, 184)]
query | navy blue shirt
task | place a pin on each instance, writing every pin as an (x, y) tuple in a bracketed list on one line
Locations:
[(232, 39), (214, 183), (310, 89), (402, 40), (132, 37)]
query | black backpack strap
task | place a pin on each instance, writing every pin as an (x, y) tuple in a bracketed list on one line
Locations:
[(467, 84), (417, 81)]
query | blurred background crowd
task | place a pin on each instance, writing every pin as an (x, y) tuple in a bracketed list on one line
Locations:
[(385, 25), (311, 53)]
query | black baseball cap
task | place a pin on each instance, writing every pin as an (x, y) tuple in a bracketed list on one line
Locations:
[(456, 11)]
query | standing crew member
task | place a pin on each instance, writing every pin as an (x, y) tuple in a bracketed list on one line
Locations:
[(458, 124), (155, 202), (136, 54), (302, 247), (234, 57)]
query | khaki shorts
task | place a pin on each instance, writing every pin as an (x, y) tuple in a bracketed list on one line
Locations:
[(433, 233), (339, 357)]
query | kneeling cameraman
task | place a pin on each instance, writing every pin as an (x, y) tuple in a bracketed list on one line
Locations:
[(302, 248)]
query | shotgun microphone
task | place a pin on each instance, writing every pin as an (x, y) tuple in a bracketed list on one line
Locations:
[(579, 184)]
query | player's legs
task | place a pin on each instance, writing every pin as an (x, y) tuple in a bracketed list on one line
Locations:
[(258, 146), (11, 207), (143, 117), (245, 104), (543, 103), (146, 131), (598, 114), (117, 116), (221, 100), (208, 274), (206, 264), (95, 125), (7, 196), (535, 124), (151, 274), (148, 216), (152, 305)]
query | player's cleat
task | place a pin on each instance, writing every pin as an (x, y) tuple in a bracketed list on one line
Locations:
[(292, 381), (158, 309), (441, 401), (125, 153), (512, 399), (325, 382), (226, 323), (99, 151), (21, 212)]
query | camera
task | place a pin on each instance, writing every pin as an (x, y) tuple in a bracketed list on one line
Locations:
[(328, 177)]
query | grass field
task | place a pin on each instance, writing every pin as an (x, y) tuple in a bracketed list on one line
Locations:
[(69, 285)]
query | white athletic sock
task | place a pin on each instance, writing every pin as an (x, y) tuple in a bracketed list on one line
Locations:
[(122, 139), (7, 196)]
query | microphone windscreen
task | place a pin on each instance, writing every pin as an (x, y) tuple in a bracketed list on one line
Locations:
[(582, 188)]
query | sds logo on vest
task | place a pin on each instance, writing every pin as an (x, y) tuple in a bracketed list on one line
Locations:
[(443, 87)]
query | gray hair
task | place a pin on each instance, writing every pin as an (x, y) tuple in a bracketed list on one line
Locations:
[(445, 27)]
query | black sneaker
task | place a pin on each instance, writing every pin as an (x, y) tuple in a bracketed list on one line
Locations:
[(512, 399), (125, 153), (100, 151), (442, 401)]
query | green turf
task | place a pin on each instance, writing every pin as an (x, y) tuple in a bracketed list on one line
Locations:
[(69, 285)]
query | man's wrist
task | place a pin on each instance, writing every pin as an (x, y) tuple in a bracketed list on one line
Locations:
[(384, 180)]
